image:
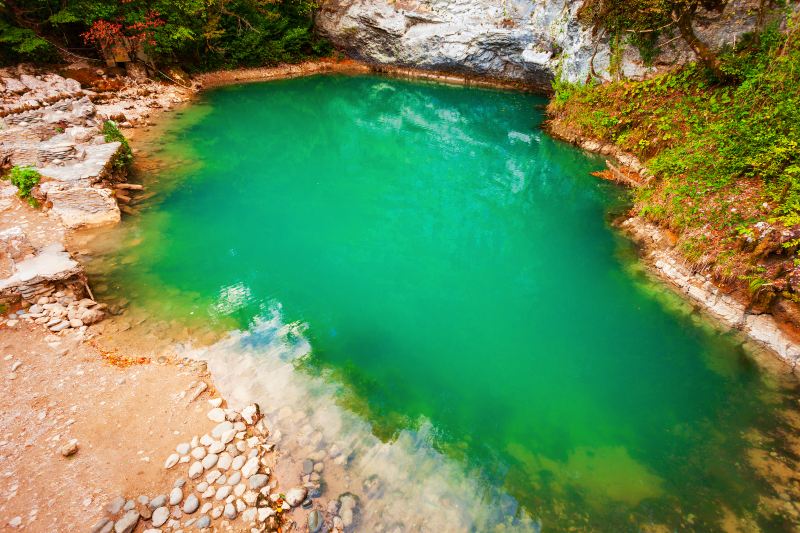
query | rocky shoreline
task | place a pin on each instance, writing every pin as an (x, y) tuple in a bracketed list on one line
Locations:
[(54, 124), (657, 250)]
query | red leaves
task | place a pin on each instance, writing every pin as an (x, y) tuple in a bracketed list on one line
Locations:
[(103, 33)]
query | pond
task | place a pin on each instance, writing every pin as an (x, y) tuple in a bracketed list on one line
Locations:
[(420, 272)]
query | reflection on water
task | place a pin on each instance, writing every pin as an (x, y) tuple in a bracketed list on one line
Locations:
[(476, 335)]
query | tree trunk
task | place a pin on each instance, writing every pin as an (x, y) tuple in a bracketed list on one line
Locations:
[(683, 21)]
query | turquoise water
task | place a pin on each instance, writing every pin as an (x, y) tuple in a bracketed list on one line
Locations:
[(456, 269)]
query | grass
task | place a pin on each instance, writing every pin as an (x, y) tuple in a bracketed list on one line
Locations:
[(725, 157)]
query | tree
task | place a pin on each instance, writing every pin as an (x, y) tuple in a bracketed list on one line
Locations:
[(642, 21)]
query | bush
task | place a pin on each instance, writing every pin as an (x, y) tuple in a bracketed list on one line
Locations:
[(112, 134), (25, 179), (726, 156)]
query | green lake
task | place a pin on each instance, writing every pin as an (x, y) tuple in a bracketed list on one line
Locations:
[(448, 277)]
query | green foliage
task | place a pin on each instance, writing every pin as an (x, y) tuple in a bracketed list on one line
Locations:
[(725, 157), (25, 179), (19, 44), (195, 34), (112, 134)]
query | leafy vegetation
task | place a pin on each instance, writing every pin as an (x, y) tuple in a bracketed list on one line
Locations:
[(725, 156), (195, 34), (112, 134), (25, 179), (642, 22)]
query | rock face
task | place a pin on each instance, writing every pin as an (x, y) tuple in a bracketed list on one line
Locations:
[(530, 41)]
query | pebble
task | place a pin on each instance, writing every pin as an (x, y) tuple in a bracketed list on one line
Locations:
[(225, 461), (129, 505), (191, 504), (206, 440), (234, 478), (216, 512), (209, 461), (183, 448), (202, 486), (195, 470), (203, 522), (175, 496), (216, 402), (223, 492), (199, 452), (238, 462), (249, 516), (206, 507), (70, 448), (103, 525), (212, 476), (250, 467), (144, 500), (16, 365), (160, 516), (127, 523), (172, 460), (230, 511), (116, 505), (228, 436), (216, 415), (158, 501), (315, 521), (221, 428), (308, 466), (295, 496), (257, 481), (216, 447), (264, 513), (15, 522)]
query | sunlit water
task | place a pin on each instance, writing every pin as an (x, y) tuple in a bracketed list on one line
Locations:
[(431, 283)]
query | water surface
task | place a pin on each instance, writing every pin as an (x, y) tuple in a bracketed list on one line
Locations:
[(461, 290)]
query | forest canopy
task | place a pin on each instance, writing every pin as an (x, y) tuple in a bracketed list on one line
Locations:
[(195, 34)]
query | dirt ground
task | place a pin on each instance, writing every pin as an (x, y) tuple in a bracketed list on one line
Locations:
[(127, 420)]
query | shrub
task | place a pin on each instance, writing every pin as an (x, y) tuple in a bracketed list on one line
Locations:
[(25, 179), (112, 134)]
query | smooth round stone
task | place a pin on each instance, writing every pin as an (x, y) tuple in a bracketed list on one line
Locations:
[(209, 493), (191, 504), (222, 492), (227, 436), (221, 428), (257, 481), (241, 446), (160, 516), (240, 506), (234, 478), (250, 467), (202, 486), (216, 447), (195, 470), (158, 501), (199, 452), (180, 482), (239, 489), (183, 448), (216, 512), (230, 511), (315, 521), (203, 522), (172, 460), (175, 496), (144, 500), (210, 460), (216, 415), (238, 462), (221, 480), (225, 460), (206, 440), (249, 515)]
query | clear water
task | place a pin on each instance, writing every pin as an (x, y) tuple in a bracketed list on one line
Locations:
[(457, 275)]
